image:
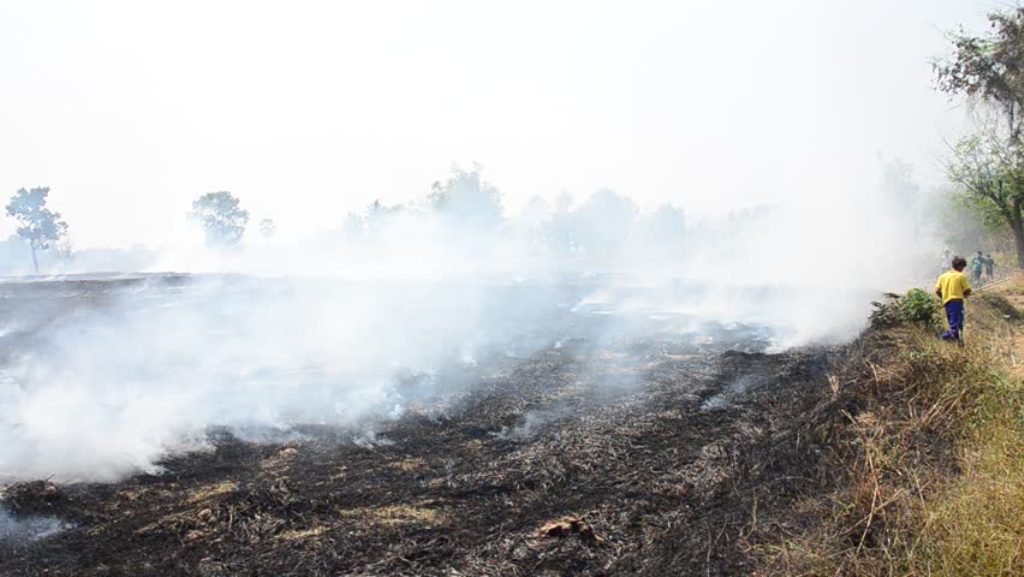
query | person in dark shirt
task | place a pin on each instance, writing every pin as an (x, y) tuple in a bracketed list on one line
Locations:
[(977, 265)]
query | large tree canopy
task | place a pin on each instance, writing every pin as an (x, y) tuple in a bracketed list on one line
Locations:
[(990, 68)]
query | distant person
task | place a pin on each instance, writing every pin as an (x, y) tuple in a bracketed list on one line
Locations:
[(977, 264), (990, 266), (953, 288)]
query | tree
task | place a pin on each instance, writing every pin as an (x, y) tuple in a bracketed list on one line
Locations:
[(39, 225), (268, 227), (662, 231), (535, 211), (988, 166), (222, 219), (902, 191), (376, 218), (603, 223), (990, 171), (558, 230), (990, 69), (466, 199), (353, 229)]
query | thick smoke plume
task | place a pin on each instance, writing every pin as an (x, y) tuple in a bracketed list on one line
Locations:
[(404, 308)]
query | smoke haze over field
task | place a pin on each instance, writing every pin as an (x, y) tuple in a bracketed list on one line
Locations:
[(307, 111), (742, 142), (405, 314)]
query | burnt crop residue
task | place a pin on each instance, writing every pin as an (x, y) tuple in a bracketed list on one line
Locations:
[(584, 456)]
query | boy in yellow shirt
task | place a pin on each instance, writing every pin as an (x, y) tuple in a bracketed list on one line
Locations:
[(953, 288)]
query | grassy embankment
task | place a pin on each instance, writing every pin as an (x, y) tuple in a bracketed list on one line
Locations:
[(925, 472)]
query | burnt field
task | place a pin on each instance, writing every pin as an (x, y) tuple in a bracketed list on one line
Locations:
[(640, 448)]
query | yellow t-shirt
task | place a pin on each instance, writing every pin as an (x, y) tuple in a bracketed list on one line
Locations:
[(953, 285)]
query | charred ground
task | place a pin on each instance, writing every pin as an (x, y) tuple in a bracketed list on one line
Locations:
[(647, 456)]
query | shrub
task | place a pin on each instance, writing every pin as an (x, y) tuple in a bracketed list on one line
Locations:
[(887, 313), (920, 306)]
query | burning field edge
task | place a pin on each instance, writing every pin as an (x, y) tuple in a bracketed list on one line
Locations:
[(709, 463)]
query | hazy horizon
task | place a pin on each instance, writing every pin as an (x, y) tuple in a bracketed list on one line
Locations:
[(130, 111)]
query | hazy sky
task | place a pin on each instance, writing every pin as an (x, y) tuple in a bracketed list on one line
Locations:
[(307, 110)]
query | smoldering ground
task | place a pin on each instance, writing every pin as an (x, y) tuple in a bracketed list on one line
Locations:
[(604, 427), (105, 377), (431, 398), (121, 373)]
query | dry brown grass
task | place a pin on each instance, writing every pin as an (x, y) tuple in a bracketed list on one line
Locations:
[(410, 465), (933, 460), (396, 515), (210, 491), (298, 535)]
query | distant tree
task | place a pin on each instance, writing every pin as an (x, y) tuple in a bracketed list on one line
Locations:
[(65, 251), (535, 211), (662, 231), (604, 221), (38, 225), (268, 227), (900, 188), (375, 209), (465, 199), (564, 202), (376, 217), (354, 228), (898, 182), (222, 219), (559, 229)]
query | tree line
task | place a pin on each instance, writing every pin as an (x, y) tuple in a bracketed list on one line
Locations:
[(986, 165), (467, 209)]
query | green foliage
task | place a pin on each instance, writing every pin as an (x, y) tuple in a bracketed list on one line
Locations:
[(989, 167), (990, 68), (989, 173), (916, 306)]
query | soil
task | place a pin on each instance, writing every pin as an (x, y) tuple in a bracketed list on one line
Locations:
[(645, 456)]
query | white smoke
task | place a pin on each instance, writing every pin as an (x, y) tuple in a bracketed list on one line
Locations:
[(27, 530), (357, 330)]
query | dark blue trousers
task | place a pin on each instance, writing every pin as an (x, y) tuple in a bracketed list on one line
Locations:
[(955, 318)]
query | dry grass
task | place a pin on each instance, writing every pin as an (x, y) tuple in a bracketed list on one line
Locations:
[(395, 515), (976, 525), (932, 461), (210, 491), (410, 465), (296, 535)]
